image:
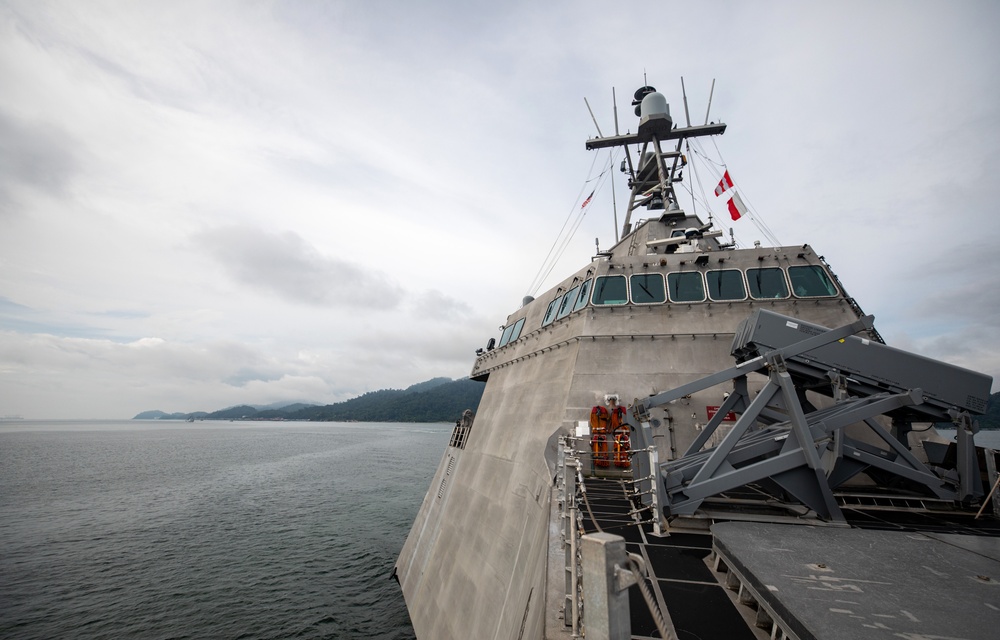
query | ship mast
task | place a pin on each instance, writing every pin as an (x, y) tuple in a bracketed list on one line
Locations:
[(652, 184)]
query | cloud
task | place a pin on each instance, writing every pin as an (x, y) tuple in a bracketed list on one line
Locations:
[(286, 265), (227, 202), (437, 306), (70, 376), (24, 319), (34, 155)]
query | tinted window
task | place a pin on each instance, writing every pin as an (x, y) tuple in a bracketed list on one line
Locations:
[(811, 281), (550, 313), (726, 285), (581, 301), (767, 283), (568, 300), (505, 338), (610, 290), (686, 287), (647, 288), (516, 333)]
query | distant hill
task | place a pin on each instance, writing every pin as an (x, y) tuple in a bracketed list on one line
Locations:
[(443, 401), (991, 419), (436, 400), (156, 414)]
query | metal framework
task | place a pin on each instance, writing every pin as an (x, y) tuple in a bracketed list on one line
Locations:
[(788, 447)]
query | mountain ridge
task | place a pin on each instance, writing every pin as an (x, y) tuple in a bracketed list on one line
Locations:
[(434, 400)]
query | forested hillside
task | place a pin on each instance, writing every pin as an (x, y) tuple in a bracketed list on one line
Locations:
[(437, 400)]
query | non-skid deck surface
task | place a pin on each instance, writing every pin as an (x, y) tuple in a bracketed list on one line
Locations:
[(840, 584)]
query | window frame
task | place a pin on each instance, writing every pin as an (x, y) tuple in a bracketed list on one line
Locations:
[(593, 294), (516, 333), (586, 288), (663, 288), (505, 336), (565, 306), (784, 279), (815, 267), (551, 311), (743, 281), (704, 292)]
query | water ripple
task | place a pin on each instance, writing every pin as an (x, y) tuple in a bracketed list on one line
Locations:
[(236, 531)]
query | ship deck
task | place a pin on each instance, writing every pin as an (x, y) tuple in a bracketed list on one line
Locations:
[(909, 575)]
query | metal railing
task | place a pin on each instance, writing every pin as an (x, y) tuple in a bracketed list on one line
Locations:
[(598, 571)]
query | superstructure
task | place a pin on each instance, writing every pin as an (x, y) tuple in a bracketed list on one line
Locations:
[(730, 425)]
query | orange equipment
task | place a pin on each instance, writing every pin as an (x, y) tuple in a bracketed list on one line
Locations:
[(622, 444), (599, 435), (620, 432)]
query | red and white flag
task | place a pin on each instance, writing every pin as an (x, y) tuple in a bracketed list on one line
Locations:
[(587, 201), (736, 207), (724, 185)]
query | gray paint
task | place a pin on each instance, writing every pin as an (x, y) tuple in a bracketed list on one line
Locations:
[(474, 564), (841, 584)]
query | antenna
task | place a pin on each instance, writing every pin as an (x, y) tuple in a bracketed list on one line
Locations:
[(592, 117), (614, 102), (687, 116), (710, 94), (614, 200)]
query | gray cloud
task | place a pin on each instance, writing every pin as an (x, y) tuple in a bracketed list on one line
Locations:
[(437, 306), (286, 265), (35, 155), (463, 138), (244, 376), (23, 319)]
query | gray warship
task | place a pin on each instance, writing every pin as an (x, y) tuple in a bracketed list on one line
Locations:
[(690, 439)]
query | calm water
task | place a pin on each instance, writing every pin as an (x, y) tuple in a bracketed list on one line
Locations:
[(208, 530)]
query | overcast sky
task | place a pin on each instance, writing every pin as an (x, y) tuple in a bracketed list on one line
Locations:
[(209, 203)]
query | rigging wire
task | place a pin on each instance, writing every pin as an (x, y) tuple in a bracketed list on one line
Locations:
[(578, 212), (562, 241), (535, 282), (701, 191), (769, 235), (696, 195), (602, 178), (714, 169)]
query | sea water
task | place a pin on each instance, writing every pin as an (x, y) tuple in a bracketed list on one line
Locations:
[(208, 529)]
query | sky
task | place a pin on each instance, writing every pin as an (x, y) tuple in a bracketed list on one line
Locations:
[(209, 203)]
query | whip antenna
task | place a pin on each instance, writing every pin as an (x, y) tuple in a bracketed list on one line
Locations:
[(710, 93), (592, 117)]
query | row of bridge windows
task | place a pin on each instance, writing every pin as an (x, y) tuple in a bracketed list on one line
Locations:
[(722, 285)]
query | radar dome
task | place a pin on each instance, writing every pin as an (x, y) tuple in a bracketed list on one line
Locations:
[(654, 115), (653, 104)]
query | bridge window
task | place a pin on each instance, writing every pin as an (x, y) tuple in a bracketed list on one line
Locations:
[(505, 337), (647, 288), (726, 284), (768, 282), (584, 296), (516, 333), (550, 313), (511, 333), (568, 300), (686, 287), (811, 282), (610, 290)]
